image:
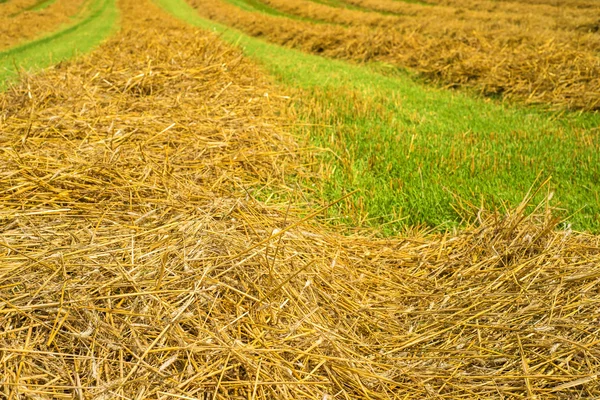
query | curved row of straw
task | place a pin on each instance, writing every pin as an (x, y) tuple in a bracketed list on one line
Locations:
[(545, 62), (19, 22), (136, 260)]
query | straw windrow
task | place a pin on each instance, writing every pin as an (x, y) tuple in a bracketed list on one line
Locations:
[(534, 59), (137, 263), (20, 22)]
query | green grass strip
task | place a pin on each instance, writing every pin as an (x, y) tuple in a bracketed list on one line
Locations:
[(259, 6), (256, 6), (349, 6), (413, 149), (337, 4), (81, 37), (41, 5), (37, 6)]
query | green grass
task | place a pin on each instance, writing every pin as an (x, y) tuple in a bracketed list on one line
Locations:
[(255, 6), (37, 6), (81, 37), (338, 4), (40, 5), (259, 6), (344, 3), (413, 149)]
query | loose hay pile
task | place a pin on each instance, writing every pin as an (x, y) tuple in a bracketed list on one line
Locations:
[(19, 21), (498, 50), (135, 262)]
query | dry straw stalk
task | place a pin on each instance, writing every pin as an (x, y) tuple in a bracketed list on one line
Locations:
[(137, 262)]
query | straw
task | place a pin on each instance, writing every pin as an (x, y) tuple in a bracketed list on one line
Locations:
[(19, 22), (153, 245), (536, 60)]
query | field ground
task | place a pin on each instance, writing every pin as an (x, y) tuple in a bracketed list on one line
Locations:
[(526, 52), (40, 17), (178, 219), (96, 22), (448, 148)]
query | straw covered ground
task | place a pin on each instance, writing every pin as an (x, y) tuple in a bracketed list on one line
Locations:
[(137, 262), (15, 15), (536, 53)]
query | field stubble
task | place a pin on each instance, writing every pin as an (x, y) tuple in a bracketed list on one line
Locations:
[(137, 264), (543, 59)]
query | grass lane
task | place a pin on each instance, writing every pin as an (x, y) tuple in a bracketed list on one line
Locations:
[(21, 21), (506, 61), (336, 3), (413, 150), (40, 5), (99, 22), (333, 15), (262, 7), (255, 5)]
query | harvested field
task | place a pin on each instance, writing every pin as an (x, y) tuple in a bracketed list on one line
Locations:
[(507, 51), (16, 14), (343, 16), (412, 150), (137, 261)]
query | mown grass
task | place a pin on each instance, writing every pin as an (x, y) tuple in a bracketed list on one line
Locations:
[(416, 152), (347, 5), (258, 6), (39, 5), (338, 4), (97, 24), (42, 4), (254, 5)]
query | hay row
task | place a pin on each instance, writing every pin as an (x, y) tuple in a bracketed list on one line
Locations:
[(316, 11), (137, 262), (565, 14), (493, 63), (533, 5), (19, 24), (499, 26), (575, 23), (567, 24), (14, 6)]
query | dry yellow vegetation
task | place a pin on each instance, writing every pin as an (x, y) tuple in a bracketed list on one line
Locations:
[(17, 14), (138, 261), (532, 53)]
